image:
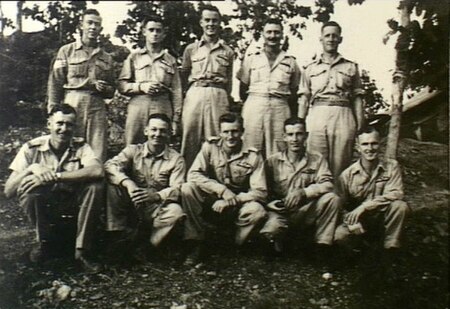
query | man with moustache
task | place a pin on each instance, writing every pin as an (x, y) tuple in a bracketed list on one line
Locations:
[(207, 67), (330, 98), (82, 75), (300, 190), (54, 175), (225, 178), (372, 193), (143, 189), (270, 79), (150, 76)]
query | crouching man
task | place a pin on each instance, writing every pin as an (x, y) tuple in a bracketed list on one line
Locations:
[(226, 177), (143, 186), (58, 171), (300, 189), (372, 192)]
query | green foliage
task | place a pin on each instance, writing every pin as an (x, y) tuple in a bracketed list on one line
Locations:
[(373, 99)]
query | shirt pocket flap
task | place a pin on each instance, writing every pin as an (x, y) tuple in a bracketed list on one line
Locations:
[(198, 58), (317, 71), (139, 65)]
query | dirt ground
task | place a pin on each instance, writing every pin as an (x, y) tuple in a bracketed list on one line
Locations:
[(417, 279)]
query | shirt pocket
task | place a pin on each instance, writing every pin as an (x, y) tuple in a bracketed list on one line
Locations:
[(72, 164), (102, 69), (317, 78), (142, 71), (343, 78), (283, 74), (198, 62), (241, 174), (78, 68), (259, 73), (163, 179), (164, 73), (380, 184), (307, 177)]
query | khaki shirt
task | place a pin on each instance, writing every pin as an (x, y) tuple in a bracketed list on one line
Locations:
[(213, 64), (139, 67), (78, 155), (280, 80), (311, 174), (75, 69), (338, 80), (243, 173), (164, 172), (385, 185)]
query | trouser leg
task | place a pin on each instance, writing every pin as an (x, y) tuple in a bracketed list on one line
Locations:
[(119, 209), (137, 117), (192, 200), (327, 210), (250, 214), (164, 219), (274, 125), (90, 200), (275, 226), (253, 113), (394, 220)]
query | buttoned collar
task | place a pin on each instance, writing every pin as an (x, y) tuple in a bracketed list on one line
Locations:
[(219, 43), (336, 60), (359, 169), (303, 162), (45, 146), (147, 153), (244, 150), (144, 50)]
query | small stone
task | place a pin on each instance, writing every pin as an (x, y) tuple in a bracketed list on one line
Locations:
[(63, 292), (211, 273), (327, 276), (334, 283)]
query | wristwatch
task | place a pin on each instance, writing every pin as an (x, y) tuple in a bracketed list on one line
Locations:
[(58, 177)]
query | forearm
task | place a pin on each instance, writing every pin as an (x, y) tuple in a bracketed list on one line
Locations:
[(128, 88), (303, 106), (88, 173), (358, 105), (13, 182), (252, 195)]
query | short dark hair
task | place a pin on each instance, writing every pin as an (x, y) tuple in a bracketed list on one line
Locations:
[(331, 24), (66, 109), (153, 18), (209, 7), (293, 121), (230, 118), (90, 12), (160, 116), (368, 130), (274, 21)]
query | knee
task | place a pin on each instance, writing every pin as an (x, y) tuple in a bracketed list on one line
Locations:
[(341, 233), (330, 201), (400, 207), (188, 189), (174, 211), (275, 225), (97, 186), (254, 211)]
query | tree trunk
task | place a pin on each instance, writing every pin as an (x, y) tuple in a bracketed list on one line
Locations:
[(2, 20), (19, 15), (399, 82)]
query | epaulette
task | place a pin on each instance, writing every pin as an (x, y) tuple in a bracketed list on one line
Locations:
[(213, 139), (35, 143), (79, 141), (310, 63), (290, 56), (253, 149)]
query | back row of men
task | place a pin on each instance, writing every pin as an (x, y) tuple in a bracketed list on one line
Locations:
[(227, 173), (328, 90)]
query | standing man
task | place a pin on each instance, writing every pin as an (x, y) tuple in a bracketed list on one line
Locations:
[(300, 189), (144, 183), (330, 100), (82, 76), (150, 76), (226, 177), (271, 78), (207, 66), (372, 192), (58, 171)]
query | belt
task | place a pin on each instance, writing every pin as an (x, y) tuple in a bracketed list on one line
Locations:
[(206, 83), (331, 102)]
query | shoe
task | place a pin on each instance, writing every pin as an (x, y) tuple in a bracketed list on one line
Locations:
[(194, 257), (39, 253), (140, 255), (87, 264)]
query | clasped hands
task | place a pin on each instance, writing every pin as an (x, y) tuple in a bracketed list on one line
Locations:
[(40, 175), (229, 199), (295, 199), (151, 88), (138, 195)]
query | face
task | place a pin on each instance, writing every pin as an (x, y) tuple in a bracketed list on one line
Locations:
[(61, 128), (91, 27), (231, 133), (157, 132), (368, 145), (153, 32), (330, 38), (295, 136), (272, 34), (210, 23)]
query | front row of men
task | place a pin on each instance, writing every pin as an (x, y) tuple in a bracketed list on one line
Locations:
[(58, 174)]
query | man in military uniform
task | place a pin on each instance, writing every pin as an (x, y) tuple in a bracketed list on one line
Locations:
[(144, 183), (271, 78), (225, 177), (207, 67), (372, 193), (57, 171), (150, 76), (330, 100), (300, 189), (82, 76)]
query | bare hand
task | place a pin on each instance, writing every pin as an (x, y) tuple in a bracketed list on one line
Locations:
[(353, 216), (101, 85), (45, 174), (295, 199), (228, 194), (174, 128), (143, 195), (29, 183), (220, 206)]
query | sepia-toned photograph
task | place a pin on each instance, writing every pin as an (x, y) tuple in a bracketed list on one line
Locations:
[(225, 154)]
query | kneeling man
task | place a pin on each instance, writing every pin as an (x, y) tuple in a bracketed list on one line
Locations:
[(144, 183), (225, 176), (372, 192), (58, 171), (300, 189)]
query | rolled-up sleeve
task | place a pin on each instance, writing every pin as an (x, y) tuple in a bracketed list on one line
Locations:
[(356, 83), (127, 84), (304, 88), (57, 79), (115, 168), (177, 95), (243, 74), (258, 186), (176, 179), (323, 182)]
